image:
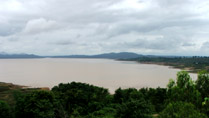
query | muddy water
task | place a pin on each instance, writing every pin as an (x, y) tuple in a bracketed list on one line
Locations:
[(106, 73)]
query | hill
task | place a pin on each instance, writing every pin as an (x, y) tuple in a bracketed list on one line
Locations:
[(16, 56), (121, 55)]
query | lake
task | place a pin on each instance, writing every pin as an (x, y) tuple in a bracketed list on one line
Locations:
[(111, 74)]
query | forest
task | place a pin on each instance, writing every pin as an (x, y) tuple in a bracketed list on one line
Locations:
[(183, 98), (191, 64)]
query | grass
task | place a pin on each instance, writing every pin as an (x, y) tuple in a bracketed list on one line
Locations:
[(8, 91)]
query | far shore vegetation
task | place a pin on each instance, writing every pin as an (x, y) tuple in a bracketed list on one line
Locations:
[(192, 64), (183, 98)]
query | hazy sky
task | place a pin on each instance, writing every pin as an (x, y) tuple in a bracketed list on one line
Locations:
[(62, 27)]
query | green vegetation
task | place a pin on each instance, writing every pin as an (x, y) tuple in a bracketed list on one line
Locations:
[(80, 99), (183, 98), (193, 64), (181, 110), (132, 104), (5, 110), (38, 104)]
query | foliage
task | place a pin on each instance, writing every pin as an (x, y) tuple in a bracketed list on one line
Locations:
[(81, 99), (195, 64), (184, 90), (125, 95), (182, 98), (134, 109), (132, 104), (157, 97), (5, 111), (202, 83), (37, 104), (181, 110), (205, 106), (171, 83), (106, 112), (183, 80)]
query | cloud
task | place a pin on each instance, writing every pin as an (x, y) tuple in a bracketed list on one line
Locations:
[(205, 45), (188, 44), (59, 27), (39, 26)]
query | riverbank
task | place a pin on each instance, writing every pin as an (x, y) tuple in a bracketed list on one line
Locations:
[(190, 64), (8, 91), (188, 69)]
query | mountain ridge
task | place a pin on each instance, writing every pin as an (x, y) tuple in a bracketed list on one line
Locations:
[(112, 55), (121, 55), (17, 56)]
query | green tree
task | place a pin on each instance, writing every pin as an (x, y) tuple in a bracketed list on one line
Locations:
[(184, 80), (131, 104), (38, 104), (134, 109), (126, 95), (183, 90), (202, 83), (106, 112), (81, 99), (5, 111), (171, 83), (181, 110), (205, 106), (157, 97)]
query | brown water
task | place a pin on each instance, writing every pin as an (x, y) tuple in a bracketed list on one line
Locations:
[(106, 73)]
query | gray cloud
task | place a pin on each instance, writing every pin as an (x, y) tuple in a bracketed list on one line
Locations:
[(205, 45), (188, 44), (59, 27), (64, 42), (40, 25)]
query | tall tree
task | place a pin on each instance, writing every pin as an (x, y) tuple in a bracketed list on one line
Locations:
[(202, 83), (184, 90)]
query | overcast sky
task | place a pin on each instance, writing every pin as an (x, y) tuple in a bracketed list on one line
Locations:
[(64, 27)]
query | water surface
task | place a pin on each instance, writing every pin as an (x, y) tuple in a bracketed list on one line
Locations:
[(106, 73)]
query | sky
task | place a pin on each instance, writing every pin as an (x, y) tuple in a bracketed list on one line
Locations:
[(69, 27)]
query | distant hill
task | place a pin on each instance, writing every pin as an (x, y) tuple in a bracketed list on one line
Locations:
[(121, 55), (16, 56)]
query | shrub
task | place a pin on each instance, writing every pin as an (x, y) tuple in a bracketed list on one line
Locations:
[(134, 109), (37, 104), (181, 110), (4, 110), (80, 99)]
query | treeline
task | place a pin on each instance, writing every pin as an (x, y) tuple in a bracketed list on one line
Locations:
[(194, 64), (183, 98)]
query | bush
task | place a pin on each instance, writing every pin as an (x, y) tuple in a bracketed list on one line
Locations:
[(106, 112), (183, 90), (5, 110), (156, 96), (131, 104), (202, 84), (80, 99), (38, 104), (134, 109), (125, 95), (181, 110)]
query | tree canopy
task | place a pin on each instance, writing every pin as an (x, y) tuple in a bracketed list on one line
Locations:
[(183, 98)]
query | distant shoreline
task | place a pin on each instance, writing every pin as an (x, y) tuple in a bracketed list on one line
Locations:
[(175, 67)]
